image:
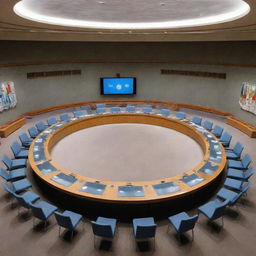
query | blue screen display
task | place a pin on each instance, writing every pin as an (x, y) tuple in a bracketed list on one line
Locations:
[(118, 86)]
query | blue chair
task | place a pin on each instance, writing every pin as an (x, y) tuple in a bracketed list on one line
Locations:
[(15, 163), (240, 164), (25, 140), (41, 126), (165, 112), (217, 131), (42, 211), (100, 111), (17, 151), (197, 120), (236, 152), (104, 227), (144, 228), (51, 120), (180, 115), (214, 209), (64, 117), (208, 125), (80, 113), (241, 175), (130, 109), (233, 184), (100, 105), (87, 108), (146, 110), (33, 132), (13, 175), (17, 186), (225, 139), (115, 110), (182, 222), (68, 220)]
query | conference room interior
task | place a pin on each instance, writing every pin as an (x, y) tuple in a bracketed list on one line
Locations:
[(136, 142)]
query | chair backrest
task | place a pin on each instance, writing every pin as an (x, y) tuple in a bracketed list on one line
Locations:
[(51, 120), (130, 109), (102, 230), (21, 200), (217, 130), (115, 109), (181, 115), (226, 136), (146, 231), (197, 120), (7, 161), (23, 138), (33, 132), (239, 147), (41, 126), (165, 112), (37, 211), (235, 199), (188, 223), (79, 113), (87, 108), (147, 110), (16, 148), (100, 110), (207, 124), (100, 105), (246, 160), (219, 211), (63, 220), (8, 189), (248, 173), (64, 117), (4, 174)]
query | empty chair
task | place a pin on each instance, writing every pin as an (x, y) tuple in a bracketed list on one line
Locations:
[(104, 227), (13, 175), (100, 110), (236, 152), (217, 131), (80, 113), (25, 140), (165, 112), (87, 108), (100, 105), (64, 117), (15, 163), (41, 126), (144, 228), (240, 164), (33, 132), (234, 184), (197, 120), (208, 125), (146, 110), (214, 209), (241, 175), (17, 151), (17, 186), (180, 115), (42, 211), (68, 220), (130, 109), (182, 222), (115, 110), (225, 139), (51, 120)]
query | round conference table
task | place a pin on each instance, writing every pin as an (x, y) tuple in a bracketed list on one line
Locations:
[(187, 183)]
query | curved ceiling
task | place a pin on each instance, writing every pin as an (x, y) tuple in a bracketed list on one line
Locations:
[(141, 20)]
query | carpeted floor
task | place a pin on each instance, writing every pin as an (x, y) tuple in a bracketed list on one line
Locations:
[(18, 237)]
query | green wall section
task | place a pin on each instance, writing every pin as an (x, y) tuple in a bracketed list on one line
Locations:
[(44, 92)]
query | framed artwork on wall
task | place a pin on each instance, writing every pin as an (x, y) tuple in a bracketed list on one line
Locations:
[(7, 95), (247, 99)]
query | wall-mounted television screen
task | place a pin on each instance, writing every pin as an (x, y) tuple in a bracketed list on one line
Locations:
[(118, 85)]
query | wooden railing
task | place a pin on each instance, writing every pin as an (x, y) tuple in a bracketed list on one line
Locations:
[(250, 130)]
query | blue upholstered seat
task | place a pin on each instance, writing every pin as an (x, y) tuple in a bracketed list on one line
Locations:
[(225, 139), (68, 220), (180, 115), (239, 174), (197, 120), (80, 113), (100, 110), (27, 198), (42, 210), (217, 131), (13, 175), (25, 140), (130, 109), (115, 110), (182, 222), (214, 209), (17, 186), (233, 184), (240, 164), (165, 112), (15, 163), (17, 151), (33, 132), (236, 152), (87, 108), (64, 116), (147, 110), (208, 125), (41, 126), (51, 120), (100, 105)]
